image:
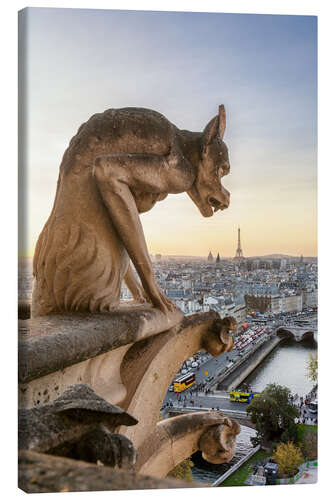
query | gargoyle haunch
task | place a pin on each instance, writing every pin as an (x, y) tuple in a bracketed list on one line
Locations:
[(118, 165)]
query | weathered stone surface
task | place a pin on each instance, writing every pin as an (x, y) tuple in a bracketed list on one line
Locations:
[(67, 419), (101, 372), (80, 401), (176, 438), (51, 343), (53, 351), (99, 445), (155, 362), (218, 338), (41, 473), (119, 164), (218, 443)]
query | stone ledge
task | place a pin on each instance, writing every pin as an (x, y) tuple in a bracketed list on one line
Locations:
[(41, 473), (51, 343)]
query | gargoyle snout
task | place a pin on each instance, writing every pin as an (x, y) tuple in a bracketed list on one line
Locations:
[(220, 200)]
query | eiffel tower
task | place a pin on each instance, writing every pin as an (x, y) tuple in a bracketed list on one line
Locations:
[(239, 252)]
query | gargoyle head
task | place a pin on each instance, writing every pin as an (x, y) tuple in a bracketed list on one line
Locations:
[(219, 338), (218, 443), (207, 191)]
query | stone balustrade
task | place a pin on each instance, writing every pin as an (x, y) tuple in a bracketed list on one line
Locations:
[(128, 357)]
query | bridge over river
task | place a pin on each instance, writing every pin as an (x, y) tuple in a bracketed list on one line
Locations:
[(299, 329)]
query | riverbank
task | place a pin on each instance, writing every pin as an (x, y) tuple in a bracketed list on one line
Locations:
[(239, 477), (242, 369)]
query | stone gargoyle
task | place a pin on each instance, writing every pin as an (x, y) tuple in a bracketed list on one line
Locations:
[(118, 165), (177, 438), (78, 424), (218, 443)]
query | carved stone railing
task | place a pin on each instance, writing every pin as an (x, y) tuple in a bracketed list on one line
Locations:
[(40, 473), (58, 351), (155, 362), (129, 358)]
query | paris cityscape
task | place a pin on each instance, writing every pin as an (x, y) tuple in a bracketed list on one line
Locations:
[(268, 285), (268, 296), (274, 301)]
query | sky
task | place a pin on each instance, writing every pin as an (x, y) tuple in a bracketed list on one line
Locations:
[(263, 68)]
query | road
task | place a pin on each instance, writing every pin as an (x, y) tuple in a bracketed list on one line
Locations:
[(207, 375), (206, 402), (216, 400)]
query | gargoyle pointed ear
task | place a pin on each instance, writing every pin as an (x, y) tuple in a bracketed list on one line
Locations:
[(215, 127), (211, 130), (222, 121)]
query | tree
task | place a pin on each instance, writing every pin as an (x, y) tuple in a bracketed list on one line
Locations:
[(183, 470), (273, 414), (309, 444), (312, 367), (288, 458)]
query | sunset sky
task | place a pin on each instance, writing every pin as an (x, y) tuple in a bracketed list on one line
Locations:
[(263, 68)]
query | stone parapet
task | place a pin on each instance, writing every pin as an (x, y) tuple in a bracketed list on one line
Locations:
[(51, 343), (129, 358), (104, 350), (41, 473)]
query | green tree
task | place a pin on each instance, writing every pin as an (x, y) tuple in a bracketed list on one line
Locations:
[(312, 367), (288, 457), (273, 414), (309, 444), (183, 470)]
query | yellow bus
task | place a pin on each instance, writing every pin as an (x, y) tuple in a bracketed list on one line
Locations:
[(242, 397), (183, 382)]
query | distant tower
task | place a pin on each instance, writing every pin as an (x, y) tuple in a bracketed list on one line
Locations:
[(218, 260), (210, 257), (239, 252)]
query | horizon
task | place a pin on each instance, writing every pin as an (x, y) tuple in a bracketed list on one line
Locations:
[(276, 255), (76, 68)]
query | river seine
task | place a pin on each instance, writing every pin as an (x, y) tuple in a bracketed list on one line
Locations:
[(287, 366)]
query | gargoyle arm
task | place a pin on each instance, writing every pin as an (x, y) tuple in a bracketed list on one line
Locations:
[(116, 176), (134, 286)]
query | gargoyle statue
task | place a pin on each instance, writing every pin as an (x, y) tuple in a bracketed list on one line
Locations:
[(219, 338), (78, 425), (118, 165), (218, 443)]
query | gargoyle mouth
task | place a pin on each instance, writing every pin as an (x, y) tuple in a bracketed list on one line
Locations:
[(216, 204)]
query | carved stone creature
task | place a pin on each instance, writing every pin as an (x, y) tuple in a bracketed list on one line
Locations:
[(79, 425), (119, 164), (177, 438), (219, 339), (218, 443)]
